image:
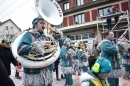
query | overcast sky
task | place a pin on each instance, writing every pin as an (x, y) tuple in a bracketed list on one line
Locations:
[(22, 16)]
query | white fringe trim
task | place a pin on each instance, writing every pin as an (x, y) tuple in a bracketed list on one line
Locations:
[(116, 73), (126, 61)]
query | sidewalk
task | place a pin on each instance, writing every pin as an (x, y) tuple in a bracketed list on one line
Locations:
[(60, 83)]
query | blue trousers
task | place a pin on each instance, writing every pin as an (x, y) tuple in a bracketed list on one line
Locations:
[(109, 26), (85, 68), (113, 81), (69, 80), (50, 85)]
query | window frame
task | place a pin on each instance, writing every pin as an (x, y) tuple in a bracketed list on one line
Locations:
[(59, 26), (103, 12), (79, 3), (65, 6), (81, 20)]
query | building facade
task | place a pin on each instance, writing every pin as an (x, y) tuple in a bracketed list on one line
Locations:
[(80, 17), (8, 29)]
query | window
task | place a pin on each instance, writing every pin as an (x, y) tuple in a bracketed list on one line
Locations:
[(78, 37), (80, 2), (103, 11), (66, 6), (84, 36), (91, 35), (72, 37), (11, 28), (78, 19), (6, 27), (59, 26)]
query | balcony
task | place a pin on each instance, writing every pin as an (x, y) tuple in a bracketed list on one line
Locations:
[(87, 6)]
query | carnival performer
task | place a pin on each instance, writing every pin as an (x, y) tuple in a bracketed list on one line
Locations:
[(66, 55), (82, 57), (124, 53), (109, 51), (35, 41), (98, 75)]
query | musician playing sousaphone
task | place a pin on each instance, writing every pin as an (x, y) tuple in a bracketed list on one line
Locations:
[(82, 57), (35, 41)]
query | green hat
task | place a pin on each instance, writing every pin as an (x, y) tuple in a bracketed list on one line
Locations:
[(105, 65), (6, 40)]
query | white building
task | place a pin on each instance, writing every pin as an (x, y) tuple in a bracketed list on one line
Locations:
[(8, 29)]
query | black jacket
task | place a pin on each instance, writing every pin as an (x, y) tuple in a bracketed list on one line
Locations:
[(7, 58), (5, 80)]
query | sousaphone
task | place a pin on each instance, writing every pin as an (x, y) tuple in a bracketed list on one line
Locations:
[(52, 13)]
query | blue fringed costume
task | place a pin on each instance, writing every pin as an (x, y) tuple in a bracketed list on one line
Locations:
[(66, 63), (108, 51), (31, 42)]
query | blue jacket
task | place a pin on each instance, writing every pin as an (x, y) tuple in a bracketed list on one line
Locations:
[(66, 61), (108, 51), (81, 56), (27, 40)]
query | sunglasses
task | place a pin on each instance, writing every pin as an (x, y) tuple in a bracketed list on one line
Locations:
[(7, 42)]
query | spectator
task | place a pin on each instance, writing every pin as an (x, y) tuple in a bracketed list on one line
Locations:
[(5, 80), (7, 58), (108, 20), (114, 11)]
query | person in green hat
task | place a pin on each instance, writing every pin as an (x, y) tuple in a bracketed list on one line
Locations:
[(7, 58), (98, 75)]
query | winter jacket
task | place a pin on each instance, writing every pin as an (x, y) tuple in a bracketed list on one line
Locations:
[(89, 79), (7, 58)]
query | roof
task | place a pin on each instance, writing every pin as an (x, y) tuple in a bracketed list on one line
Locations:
[(1, 23)]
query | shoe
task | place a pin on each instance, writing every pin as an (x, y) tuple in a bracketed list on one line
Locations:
[(18, 77), (62, 77), (79, 74), (58, 79), (74, 74)]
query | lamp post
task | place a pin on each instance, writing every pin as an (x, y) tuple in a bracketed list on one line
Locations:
[(129, 17)]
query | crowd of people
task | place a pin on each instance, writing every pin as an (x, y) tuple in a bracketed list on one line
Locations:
[(101, 65)]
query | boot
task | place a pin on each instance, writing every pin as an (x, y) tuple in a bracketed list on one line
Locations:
[(62, 77), (18, 77), (57, 78)]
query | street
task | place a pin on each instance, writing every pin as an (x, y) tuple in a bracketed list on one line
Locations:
[(19, 82)]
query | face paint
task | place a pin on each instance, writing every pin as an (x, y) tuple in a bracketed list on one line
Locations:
[(110, 38), (39, 27)]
